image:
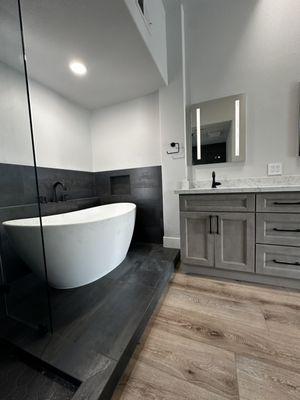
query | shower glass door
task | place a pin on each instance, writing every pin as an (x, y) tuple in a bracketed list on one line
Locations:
[(24, 300)]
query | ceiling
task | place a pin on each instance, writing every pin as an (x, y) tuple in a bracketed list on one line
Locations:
[(101, 33)]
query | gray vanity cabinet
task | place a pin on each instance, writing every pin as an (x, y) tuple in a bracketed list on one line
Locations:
[(217, 239), (245, 236), (235, 241)]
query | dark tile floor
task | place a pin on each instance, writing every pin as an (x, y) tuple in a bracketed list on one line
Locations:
[(96, 327), (20, 381)]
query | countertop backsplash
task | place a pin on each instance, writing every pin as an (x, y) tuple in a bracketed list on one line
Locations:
[(282, 180)]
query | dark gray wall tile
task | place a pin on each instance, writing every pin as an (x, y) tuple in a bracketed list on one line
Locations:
[(145, 192), (18, 183), (11, 185), (79, 184), (2, 301)]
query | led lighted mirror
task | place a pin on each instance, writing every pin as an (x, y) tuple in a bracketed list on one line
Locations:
[(218, 129)]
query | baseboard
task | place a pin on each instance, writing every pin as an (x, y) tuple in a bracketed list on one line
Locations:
[(172, 242), (240, 276)]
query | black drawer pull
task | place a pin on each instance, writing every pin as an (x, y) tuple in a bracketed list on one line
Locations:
[(279, 203), (210, 218), (286, 230), (286, 263)]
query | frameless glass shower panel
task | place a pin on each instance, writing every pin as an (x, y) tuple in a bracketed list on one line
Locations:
[(57, 35), (23, 290)]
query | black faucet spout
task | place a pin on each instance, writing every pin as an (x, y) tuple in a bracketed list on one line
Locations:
[(214, 184), (55, 186)]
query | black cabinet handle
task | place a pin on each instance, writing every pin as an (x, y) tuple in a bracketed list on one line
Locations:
[(279, 203), (285, 263), (217, 224), (286, 230), (210, 218)]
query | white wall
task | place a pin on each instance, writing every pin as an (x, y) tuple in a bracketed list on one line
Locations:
[(152, 27), (61, 131), (15, 139), (61, 128), (252, 47), (171, 102), (126, 135)]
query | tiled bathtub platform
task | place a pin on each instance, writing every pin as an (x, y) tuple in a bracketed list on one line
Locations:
[(97, 327), (21, 380)]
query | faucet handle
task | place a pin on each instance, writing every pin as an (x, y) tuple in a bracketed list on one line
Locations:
[(43, 199), (65, 196)]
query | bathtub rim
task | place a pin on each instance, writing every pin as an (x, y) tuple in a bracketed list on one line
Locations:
[(37, 225)]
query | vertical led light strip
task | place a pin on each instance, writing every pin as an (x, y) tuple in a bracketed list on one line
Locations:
[(237, 128), (198, 125)]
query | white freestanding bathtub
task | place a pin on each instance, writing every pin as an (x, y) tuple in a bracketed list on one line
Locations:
[(81, 246)]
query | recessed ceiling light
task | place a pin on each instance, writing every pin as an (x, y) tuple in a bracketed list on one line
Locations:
[(78, 68)]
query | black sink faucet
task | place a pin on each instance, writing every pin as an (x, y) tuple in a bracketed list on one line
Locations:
[(214, 184), (55, 186)]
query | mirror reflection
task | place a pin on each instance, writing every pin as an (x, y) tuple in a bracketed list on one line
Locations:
[(218, 130)]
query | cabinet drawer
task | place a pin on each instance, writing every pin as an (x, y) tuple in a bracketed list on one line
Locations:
[(278, 202), (281, 229), (217, 202), (280, 261)]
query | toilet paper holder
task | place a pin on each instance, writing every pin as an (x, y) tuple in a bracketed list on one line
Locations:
[(177, 148)]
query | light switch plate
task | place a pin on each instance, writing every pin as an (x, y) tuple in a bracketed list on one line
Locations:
[(275, 169)]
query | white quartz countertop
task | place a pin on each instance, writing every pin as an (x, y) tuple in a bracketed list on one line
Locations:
[(249, 189)]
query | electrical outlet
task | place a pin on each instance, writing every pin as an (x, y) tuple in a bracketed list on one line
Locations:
[(275, 169)]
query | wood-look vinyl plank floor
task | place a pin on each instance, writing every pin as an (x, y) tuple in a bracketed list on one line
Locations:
[(197, 363), (147, 382), (282, 320), (228, 309), (214, 340), (258, 380), (252, 293)]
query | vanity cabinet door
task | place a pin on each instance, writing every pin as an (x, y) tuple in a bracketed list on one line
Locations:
[(235, 241), (197, 243)]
